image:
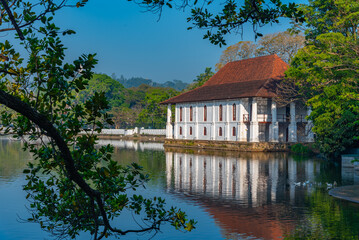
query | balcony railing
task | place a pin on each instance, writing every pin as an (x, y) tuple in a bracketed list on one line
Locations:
[(264, 118), (283, 118), (301, 118)]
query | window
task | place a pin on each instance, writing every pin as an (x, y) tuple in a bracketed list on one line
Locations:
[(220, 112), (204, 131), (180, 130), (220, 131), (190, 130), (190, 114), (234, 112), (205, 113), (180, 114), (234, 131)]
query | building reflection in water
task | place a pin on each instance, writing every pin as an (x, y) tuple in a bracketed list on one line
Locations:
[(141, 146), (253, 194)]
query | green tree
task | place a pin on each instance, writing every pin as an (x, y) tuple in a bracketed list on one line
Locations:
[(340, 16), (154, 114), (324, 74), (201, 79), (83, 188), (73, 186), (114, 91)]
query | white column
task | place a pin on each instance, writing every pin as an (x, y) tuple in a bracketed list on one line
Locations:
[(292, 128), (169, 129), (169, 167), (176, 123), (242, 133), (254, 130), (227, 133), (274, 125), (184, 122), (196, 130), (213, 131), (308, 127)]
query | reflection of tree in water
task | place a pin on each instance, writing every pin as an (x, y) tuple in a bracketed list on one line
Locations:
[(327, 218), (252, 194), (12, 159), (152, 161)]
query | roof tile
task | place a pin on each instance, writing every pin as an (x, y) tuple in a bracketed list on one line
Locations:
[(254, 77)]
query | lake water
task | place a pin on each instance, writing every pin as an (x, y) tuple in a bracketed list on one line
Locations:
[(232, 196)]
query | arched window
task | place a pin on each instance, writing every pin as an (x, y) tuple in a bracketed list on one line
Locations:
[(190, 130), (234, 131), (220, 131), (234, 112), (180, 130), (180, 114), (190, 114), (220, 113), (204, 131), (205, 113)]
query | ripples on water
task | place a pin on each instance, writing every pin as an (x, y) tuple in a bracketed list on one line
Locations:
[(232, 196)]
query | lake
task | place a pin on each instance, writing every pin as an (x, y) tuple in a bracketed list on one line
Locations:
[(231, 195)]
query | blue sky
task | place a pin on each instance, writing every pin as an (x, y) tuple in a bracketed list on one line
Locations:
[(131, 42)]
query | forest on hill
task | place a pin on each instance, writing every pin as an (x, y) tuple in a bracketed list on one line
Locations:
[(138, 81)]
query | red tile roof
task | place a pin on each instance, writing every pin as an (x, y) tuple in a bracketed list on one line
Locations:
[(254, 77)]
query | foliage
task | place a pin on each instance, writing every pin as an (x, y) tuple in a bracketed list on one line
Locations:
[(114, 91), (153, 114), (326, 219), (129, 108), (324, 74), (238, 51), (72, 186), (234, 14), (137, 81), (300, 149), (284, 44), (201, 79), (339, 16)]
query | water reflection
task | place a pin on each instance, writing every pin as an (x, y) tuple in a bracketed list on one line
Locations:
[(12, 159), (253, 194), (232, 196), (141, 146), (252, 179)]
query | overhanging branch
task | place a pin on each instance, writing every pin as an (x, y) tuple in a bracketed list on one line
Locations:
[(12, 19)]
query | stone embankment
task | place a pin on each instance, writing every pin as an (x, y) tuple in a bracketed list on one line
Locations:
[(349, 193), (350, 172), (232, 146)]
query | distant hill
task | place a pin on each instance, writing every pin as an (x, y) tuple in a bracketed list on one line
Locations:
[(137, 81)]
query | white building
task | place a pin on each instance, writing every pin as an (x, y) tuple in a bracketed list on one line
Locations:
[(237, 104)]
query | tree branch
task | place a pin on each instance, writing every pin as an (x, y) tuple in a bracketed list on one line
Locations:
[(12, 19)]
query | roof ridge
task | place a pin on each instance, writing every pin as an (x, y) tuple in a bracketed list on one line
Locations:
[(264, 56), (266, 81)]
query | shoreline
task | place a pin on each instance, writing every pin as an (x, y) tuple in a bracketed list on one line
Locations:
[(233, 146), (348, 193), (136, 138)]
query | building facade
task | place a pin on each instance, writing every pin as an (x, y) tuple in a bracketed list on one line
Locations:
[(238, 104)]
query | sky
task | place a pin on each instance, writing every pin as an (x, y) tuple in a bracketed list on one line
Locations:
[(134, 43)]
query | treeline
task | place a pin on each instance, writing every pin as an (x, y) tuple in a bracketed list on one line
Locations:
[(138, 81), (130, 107)]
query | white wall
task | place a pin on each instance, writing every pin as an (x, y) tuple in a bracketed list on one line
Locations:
[(213, 123)]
